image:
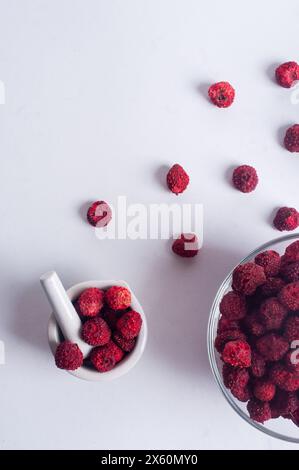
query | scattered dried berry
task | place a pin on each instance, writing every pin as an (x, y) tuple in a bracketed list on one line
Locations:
[(129, 325), (248, 277), (90, 302), (118, 298), (233, 306), (186, 245), (96, 332), (272, 313), (291, 140), (99, 214), (291, 329), (272, 346), (264, 390), (286, 219), (245, 178), (126, 345), (221, 94), (289, 296), (237, 354), (287, 73), (259, 411), (270, 261), (177, 179), (68, 356)]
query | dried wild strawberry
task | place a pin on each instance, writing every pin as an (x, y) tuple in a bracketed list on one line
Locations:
[(245, 178), (221, 94)]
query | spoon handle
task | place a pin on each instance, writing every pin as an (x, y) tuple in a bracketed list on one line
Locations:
[(64, 311)]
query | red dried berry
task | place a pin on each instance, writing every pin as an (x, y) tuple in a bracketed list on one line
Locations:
[(295, 417), (99, 214), (68, 356), (242, 394), (237, 354), (226, 336), (186, 245), (111, 316), (236, 380), (287, 73), (221, 94), (225, 324), (234, 377), (272, 286), (247, 278), (118, 298), (264, 390), (258, 364), (129, 325), (272, 346), (291, 140), (104, 358), (286, 219), (259, 411), (116, 351), (253, 325), (272, 313), (284, 378), (177, 179), (126, 345), (290, 272), (291, 329), (90, 302), (245, 178), (270, 261), (284, 403), (233, 306), (96, 332), (289, 296), (291, 359), (292, 252)]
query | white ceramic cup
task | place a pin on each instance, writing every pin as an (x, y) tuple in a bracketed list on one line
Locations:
[(129, 361)]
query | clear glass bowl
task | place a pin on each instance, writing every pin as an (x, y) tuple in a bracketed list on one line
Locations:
[(280, 428)]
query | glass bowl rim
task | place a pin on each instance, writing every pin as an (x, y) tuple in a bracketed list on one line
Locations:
[(211, 349)]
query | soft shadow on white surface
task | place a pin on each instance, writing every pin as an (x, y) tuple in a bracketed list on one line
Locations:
[(270, 72), (161, 174), (202, 89)]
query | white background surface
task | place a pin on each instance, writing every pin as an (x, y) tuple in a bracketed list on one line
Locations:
[(99, 96)]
